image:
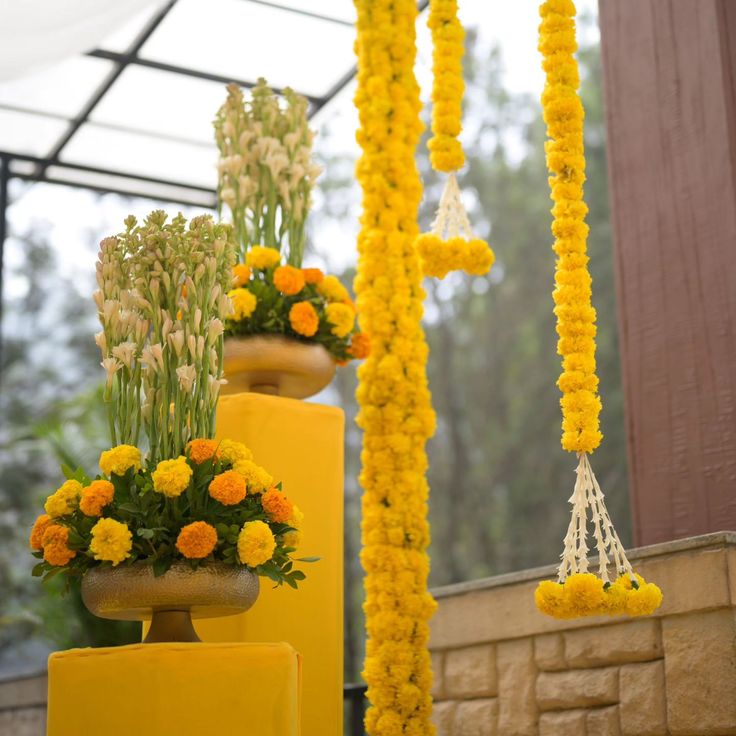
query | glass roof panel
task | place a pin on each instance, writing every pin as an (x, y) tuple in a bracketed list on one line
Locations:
[(34, 135), (342, 10), (144, 155), (122, 39), (245, 40), (62, 89), (161, 102)]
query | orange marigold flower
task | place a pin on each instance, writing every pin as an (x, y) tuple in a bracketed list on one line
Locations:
[(277, 506), (39, 528), (288, 280), (241, 274), (201, 449), (313, 275), (360, 346), (228, 488), (196, 540), (55, 545), (303, 319), (95, 497)]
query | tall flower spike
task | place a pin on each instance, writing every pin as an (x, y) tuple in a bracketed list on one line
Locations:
[(451, 245), (577, 591)]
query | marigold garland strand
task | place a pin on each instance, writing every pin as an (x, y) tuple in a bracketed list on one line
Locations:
[(578, 592), (395, 405), (451, 244)]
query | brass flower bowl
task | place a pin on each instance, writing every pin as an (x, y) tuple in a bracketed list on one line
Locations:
[(277, 365), (170, 601)]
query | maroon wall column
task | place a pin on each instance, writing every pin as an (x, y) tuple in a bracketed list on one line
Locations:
[(670, 90)]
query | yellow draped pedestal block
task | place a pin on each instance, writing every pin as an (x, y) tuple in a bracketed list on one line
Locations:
[(175, 690), (300, 444)]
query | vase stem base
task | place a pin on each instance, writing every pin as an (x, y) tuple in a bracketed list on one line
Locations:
[(171, 626)]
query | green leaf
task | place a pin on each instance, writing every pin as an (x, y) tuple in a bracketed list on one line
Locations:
[(307, 559), (161, 566), (145, 533), (38, 569)]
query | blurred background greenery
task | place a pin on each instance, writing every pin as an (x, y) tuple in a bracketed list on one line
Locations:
[(499, 480)]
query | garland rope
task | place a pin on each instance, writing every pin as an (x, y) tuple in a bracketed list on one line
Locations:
[(451, 244), (395, 412), (577, 591)]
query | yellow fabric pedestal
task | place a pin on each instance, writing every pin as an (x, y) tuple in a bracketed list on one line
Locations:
[(300, 444), (175, 690)]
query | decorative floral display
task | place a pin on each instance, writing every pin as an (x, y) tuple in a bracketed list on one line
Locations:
[(266, 176), (451, 245), (578, 592), (162, 300), (395, 405)]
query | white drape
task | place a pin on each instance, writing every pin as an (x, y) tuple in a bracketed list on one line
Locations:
[(37, 33)]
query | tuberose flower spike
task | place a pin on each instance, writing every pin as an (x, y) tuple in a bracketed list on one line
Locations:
[(451, 245)]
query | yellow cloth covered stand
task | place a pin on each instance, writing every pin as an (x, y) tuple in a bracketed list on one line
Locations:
[(300, 444), (175, 690)]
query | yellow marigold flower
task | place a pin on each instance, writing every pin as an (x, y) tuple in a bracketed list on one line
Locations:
[(255, 543), (614, 600), (643, 600), (261, 257), (228, 488), (196, 540), (244, 303), (584, 594), (55, 544), (234, 452), (550, 599), (303, 319), (97, 495), (288, 280), (257, 478), (296, 520), (201, 450), (172, 477), (111, 541), (277, 506), (360, 346), (313, 275), (120, 459), (341, 317), (331, 288), (64, 500), (241, 274), (39, 528)]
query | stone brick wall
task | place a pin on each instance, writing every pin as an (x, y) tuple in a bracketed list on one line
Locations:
[(23, 706), (503, 669)]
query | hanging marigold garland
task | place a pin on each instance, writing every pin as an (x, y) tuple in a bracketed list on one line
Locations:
[(451, 244), (395, 405), (578, 592)]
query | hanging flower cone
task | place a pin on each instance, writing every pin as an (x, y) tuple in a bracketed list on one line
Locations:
[(578, 592), (451, 244)]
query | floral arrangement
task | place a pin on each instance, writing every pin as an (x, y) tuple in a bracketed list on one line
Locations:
[(162, 301), (266, 176), (451, 244), (395, 404), (578, 592)]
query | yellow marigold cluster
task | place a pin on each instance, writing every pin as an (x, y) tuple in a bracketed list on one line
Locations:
[(55, 543), (64, 500), (563, 114), (256, 543), (341, 317), (439, 257), (257, 478), (288, 280), (172, 477), (244, 303), (111, 541), (228, 488), (120, 459), (277, 506), (395, 407), (97, 495), (313, 275), (585, 594), (296, 520), (445, 151), (332, 290), (196, 540), (258, 256), (234, 452), (241, 274), (304, 319)]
